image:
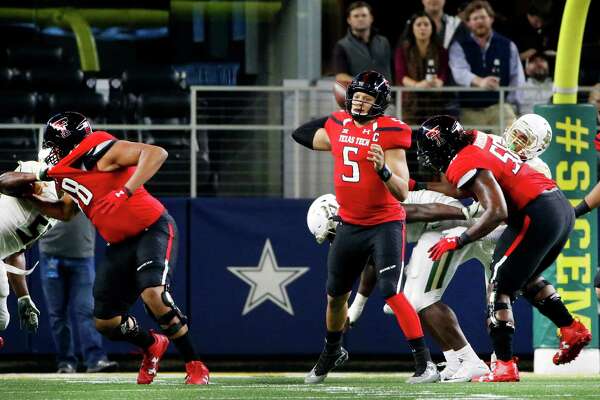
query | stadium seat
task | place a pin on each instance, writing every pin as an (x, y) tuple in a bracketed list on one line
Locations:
[(152, 79), (29, 56)]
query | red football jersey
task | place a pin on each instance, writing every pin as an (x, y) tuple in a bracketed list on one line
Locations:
[(139, 212), (363, 197), (519, 182)]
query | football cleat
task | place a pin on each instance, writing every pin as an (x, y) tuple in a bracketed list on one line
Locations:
[(573, 339), (325, 364), (504, 371), (468, 371), (152, 357), (197, 373), (429, 375), (449, 370)]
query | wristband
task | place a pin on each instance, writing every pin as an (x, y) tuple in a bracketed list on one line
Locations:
[(581, 209), (127, 191), (384, 173), (420, 186), (42, 175), (464, 239)]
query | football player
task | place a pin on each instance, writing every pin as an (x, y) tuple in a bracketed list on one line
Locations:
[(538, 221), (20, 226), (104, 177), (370, 179), (425, 280)]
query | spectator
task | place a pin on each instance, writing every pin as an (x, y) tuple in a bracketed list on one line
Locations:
[(534, 34), (538, 83), (67, 271), (485, 59), (361, 49), (447, 26), (594, 98), (421, 61)]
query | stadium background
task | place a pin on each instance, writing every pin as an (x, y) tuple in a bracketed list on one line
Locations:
[(233, 180)]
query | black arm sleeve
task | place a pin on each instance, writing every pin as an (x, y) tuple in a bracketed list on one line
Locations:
[(305, 133)]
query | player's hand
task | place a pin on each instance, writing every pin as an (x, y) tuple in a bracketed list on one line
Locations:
[(113, 201), (376, 156), (28, 314), (445, 244)]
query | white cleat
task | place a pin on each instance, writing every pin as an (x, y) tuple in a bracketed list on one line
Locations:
[(430, 375), (468, 371), (449, 371)]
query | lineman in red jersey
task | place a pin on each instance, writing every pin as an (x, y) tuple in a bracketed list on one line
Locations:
[(104, 178), (371, 178), (538, 216)]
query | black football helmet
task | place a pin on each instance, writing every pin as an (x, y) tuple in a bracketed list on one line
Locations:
[(374, 84), (439, 139), (63, 133)]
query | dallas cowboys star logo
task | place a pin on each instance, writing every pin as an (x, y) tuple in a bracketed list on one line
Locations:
[(268, 281)]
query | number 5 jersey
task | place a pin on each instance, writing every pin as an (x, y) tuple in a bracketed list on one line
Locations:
[(77, 175), (363, 197)]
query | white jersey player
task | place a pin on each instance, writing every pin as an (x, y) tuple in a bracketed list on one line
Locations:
[(21, 224)]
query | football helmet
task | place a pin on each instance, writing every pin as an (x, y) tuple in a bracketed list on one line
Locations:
[(438, 141), (63, 133), (374, 84), (529, 136), (320, 217)]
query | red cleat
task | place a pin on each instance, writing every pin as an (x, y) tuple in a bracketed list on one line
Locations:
[(573, 339), (1, 342), (197, 373), (504, 371), (152, 356)]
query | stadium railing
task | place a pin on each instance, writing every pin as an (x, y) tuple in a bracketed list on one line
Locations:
[(238, 139)]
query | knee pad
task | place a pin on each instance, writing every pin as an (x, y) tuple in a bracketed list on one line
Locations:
[(388, 281), (531, 292), (496, 323), (164, 321), (126, 329)]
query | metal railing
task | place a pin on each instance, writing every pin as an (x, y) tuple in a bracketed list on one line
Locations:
[(238, 139)]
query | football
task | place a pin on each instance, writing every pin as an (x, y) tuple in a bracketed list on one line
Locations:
[(339, 91)]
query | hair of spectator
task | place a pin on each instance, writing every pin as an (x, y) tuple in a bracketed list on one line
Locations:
[(410, 34), (358, 4), (479, 5)]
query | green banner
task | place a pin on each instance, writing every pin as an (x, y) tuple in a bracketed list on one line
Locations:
[(572, 160)]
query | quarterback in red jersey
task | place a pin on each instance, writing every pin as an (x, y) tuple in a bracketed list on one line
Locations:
[(538, 216), (371, 179), (104, 178)]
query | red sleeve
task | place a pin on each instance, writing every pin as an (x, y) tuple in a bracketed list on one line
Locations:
[(395, 134), (333, 124), (443, 68), (400, 64), (463, 167)]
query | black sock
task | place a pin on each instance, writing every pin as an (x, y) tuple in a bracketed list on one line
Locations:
[(185, 347), (141, 339), (502, 338), (555, 310), (420, 354), (333, 341)]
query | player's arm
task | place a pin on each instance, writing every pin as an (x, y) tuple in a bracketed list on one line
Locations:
[(444, 187), (391, 167), (62, 209), (147, 158), (485, 187), (432, 212), (28, 312), (589, 202), (14, 183), (313, 135)]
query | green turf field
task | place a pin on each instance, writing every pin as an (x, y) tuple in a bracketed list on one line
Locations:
[(286, 386)]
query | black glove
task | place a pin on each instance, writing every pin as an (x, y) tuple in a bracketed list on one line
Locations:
[(28, 314)]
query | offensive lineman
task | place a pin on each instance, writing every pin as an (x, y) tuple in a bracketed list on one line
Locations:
[(104, 177), (538, 216), (20, 226), (371, 178)]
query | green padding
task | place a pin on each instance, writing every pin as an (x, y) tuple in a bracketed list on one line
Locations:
[(572, 160)]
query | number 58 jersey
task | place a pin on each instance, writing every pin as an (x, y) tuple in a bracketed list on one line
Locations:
[(519, 182), (21, 223), (363, 197)]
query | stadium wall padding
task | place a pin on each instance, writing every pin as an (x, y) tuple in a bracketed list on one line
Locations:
[(221, 242)]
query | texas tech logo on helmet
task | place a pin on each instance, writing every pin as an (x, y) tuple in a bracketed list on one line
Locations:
[(61, 126), (435, 135)]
